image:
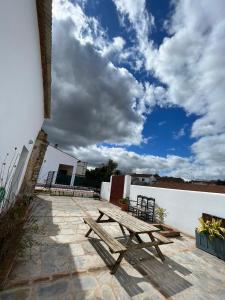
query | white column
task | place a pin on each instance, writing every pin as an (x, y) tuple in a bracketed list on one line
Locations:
[(72, 179), (126, 189), (54, 178)]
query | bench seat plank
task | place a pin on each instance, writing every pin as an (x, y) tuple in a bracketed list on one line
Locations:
[(114, 245), (162, 239)]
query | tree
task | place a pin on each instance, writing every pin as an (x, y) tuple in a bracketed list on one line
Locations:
[(103, 173)]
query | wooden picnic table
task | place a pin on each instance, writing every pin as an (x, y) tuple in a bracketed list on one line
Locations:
[(134, 226)]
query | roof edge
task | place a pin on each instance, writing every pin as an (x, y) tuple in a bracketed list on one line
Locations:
[(44, 14)]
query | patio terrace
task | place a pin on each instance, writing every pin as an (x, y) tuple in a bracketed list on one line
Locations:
[(64, 264)]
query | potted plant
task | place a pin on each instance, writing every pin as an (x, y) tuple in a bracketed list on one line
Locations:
[(210, 237), (161, 214), (124, 202), (166, 230)]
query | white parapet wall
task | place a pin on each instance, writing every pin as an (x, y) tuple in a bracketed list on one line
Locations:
[(183, 207), (105, 190)]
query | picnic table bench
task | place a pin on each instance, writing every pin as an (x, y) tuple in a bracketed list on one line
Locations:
[(134, 227)]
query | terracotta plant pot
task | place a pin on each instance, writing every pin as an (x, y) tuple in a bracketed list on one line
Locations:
[(124, 206)]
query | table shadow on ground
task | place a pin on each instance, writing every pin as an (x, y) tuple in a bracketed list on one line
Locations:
[(163, 276)]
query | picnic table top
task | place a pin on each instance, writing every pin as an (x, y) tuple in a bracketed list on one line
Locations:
[(129, 222)]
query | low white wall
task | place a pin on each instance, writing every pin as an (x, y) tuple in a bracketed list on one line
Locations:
[(184, 207), (105, 190)]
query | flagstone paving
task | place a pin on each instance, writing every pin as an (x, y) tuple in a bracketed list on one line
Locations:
[(64, 264)]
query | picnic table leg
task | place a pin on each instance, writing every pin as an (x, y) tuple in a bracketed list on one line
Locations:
[(117, 263), (138, 238), (157, 248), (122, 229), (90, 230), (119, 259), (100, 216)]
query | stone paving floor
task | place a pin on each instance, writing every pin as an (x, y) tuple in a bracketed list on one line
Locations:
[(63, 264)]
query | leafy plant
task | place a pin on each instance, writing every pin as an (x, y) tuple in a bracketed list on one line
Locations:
[(2, 193), (161, 214), (124, 200), (213, 228), (7, 169), (17, 229)]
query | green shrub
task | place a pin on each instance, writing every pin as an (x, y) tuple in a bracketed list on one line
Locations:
[(160, 213), (124, 200)]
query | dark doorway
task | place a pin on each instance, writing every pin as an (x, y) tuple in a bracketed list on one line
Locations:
[(64, 174), (117, 189)]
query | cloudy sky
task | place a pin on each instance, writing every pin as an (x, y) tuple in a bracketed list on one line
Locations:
[(141, 82)]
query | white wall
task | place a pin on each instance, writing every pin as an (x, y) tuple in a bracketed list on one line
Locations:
[(184, 207), (105, 190), (54, 157), (126, 189), (21, 92)]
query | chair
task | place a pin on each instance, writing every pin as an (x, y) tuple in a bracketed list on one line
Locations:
[(133, 204), (143, 207)]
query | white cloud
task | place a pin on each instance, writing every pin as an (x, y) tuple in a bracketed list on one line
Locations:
[(95, 101), (115, 47), (171, 165), (134, 16), (86, 29), (162, 123), (180, 133), (129, 160), (191, 64)]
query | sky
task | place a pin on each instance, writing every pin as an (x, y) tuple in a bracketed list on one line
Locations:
[(141, 82)]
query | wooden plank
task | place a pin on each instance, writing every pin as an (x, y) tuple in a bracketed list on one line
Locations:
[(115, 267), (128, 221), (122, 217), (143, 245), (161, 238), (156, 247), (106, 221), (114, 245)]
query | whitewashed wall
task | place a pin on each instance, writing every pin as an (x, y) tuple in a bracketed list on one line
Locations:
[(105, 190), (126, 188), (54, 157), (183, 207), (21, 92)]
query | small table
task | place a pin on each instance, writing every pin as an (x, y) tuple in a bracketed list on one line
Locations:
[(135, 227)]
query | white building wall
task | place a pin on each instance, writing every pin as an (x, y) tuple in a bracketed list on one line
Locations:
[(54, 157), (21, 92), (184, 207), (105, 190)]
